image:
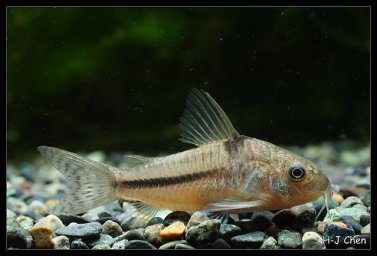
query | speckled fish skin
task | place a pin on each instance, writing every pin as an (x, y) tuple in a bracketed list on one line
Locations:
[(226, 173)]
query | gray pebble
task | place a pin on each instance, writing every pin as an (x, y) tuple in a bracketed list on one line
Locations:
[(184, 246), (250, 240), (120, 238), (61, 242), (78, 244), (155, 220), (196, 219), (133, 235), (139, 244), (365, 198), (202, 235), (88, 230), (227, 231), (262, 219), (177, 216), (111, 228), (354, 212), (172, 244), (18, 237), (119, 245), (103, 239), (101, 247), (366, 229), (332, 215), (25, 222), (247, 225), (312, 240), (152, 234), (270, 243), (364, 220), (220, 244), (289, 239), (38, 207), (351, 201)]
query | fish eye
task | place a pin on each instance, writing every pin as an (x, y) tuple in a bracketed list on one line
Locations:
[(296, 172)]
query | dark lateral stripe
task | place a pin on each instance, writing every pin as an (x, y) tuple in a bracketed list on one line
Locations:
[(167, 181)]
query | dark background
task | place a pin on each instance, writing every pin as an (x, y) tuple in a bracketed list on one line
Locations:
[(85, 79)]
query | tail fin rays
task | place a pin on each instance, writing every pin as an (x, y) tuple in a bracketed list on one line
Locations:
[(91, 184)]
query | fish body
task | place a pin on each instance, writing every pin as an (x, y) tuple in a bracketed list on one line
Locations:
[(226, 173)]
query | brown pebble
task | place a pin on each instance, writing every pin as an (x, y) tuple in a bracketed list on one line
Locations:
[(352, 191), (321, 227), (272, 230), (42, 237), (338, 197), (173, 232)]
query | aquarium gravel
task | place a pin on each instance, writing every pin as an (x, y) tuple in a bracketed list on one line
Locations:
[(35, 187)]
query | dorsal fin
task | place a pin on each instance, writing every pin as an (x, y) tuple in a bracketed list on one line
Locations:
[(203, 120)]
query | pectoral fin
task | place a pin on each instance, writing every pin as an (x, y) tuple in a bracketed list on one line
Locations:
[(235, 205)]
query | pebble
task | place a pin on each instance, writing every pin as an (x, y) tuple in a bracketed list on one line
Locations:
[(133, 235), (365, 198), (101, 247), (61, 242), (18, 237), (332, 215), (68, 219), (289, 239), (51, 221), (351, 201), (196, 219), (262, 219), (120, 238), (120, 245), (184, 246), (336, 233), (103, 239), (172, 244), (284, 218), (272, 230), (338, 197), (247, 225), (227, 231), (351, 222), (354, 212), (322, 226), (304, 219), (270, 243), (104, 219), (89, 216), (111, 228), (220, 244), (87, 230), (365, 230), (250, 240), (352, 191), (312, 240), (173, 232), (42, 237), (78, 244), (38, 207), (364, 220), (177, 216), (138, 244), (202, 235), (25, 222), (155, 220), (152, 234), (16, 205)]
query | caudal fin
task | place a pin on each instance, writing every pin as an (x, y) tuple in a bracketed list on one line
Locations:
[(91, 184)]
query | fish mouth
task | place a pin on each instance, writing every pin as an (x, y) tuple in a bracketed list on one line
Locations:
[(326, 198)]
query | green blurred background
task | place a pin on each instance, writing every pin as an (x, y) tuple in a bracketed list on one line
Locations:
[(85, 79)]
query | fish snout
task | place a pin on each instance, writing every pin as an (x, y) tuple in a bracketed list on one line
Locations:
[(324, 183)]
